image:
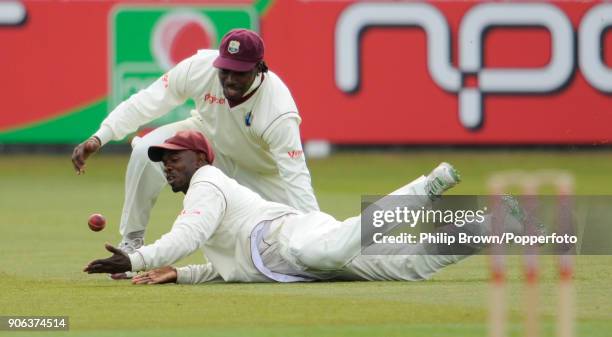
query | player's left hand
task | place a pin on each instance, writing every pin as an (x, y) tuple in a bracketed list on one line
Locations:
[(118, 263), (156, 276)]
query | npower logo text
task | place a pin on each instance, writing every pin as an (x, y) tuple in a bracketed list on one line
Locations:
[(475, 22), (12, 13)]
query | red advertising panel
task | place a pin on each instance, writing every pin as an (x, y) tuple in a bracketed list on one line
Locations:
[(447, 72), (379, 72)]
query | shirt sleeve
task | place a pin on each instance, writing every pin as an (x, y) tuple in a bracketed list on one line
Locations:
[(204, 209), (197, 273), (166, 93), (283, 137)]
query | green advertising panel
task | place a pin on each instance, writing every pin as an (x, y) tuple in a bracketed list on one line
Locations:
[(147, 41), (142, 42)]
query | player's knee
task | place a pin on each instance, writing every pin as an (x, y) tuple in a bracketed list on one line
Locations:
[(140, 150), (321, 257)]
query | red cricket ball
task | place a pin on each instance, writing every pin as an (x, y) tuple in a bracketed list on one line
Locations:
[(96, 222)]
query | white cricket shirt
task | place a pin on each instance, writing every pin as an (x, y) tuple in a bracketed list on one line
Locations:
[(260, 135), (218, 217)]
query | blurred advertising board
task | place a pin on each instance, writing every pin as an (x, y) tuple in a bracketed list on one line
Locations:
[(367, 72)]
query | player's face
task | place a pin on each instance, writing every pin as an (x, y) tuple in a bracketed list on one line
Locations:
[(236, 83), (179, 167)]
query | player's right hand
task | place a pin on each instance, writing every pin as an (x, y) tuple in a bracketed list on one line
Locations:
[(119, 262), (82, 151)]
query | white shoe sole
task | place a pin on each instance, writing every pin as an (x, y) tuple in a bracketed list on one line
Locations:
[(128, 275)]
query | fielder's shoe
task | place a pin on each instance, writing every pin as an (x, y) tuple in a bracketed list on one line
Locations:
[(441, 179), (515, 221), (128, 275), (128, 246)]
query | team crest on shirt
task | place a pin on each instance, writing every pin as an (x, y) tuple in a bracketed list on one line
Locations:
[(233, 47)]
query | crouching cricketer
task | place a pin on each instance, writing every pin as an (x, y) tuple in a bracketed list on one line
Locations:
[(249, 239)]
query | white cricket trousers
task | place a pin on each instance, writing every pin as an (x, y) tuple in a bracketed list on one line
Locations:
[(145, 179), (322, 247)]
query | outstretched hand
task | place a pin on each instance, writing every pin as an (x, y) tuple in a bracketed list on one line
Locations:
[(118, 263), (82, 151), (156, 276)]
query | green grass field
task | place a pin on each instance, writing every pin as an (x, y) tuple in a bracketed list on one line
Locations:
[(45, 242)]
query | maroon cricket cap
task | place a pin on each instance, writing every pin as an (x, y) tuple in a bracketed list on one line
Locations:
[(240, 50), (183, 140)]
